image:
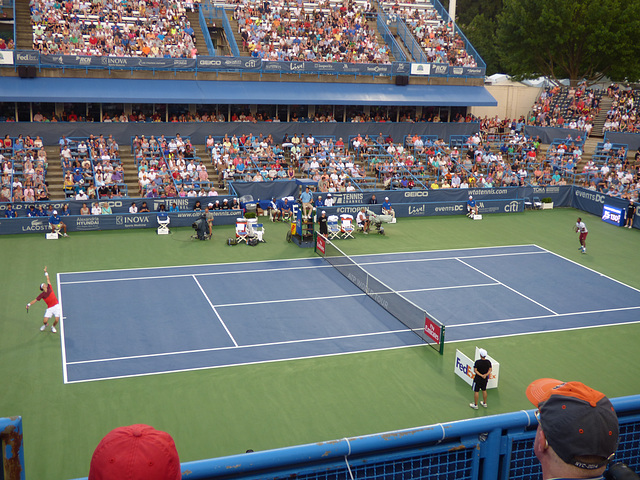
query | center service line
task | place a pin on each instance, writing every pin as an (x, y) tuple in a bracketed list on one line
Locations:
[(507, 286), (214, 310)]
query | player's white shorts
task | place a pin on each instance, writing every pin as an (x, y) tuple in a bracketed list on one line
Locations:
[(55, 311)]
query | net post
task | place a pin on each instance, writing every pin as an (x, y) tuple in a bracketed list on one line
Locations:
[(442, 340)]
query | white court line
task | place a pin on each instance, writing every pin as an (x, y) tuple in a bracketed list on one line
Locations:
[(351, 295), (451, 287), (538, 317), (259, 362), (237, 347), (286, 268), (592, 270), (305, 299), (215, 311), (249, 262), (507, 286), (231, 272), (498, 247), (416, 260), (63, 347), (555, 330)]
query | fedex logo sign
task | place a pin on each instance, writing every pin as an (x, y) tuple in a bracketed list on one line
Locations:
[(464, 368)]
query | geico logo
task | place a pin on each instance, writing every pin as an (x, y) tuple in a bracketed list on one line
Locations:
[(116, 203), (511, 207), (415, 194)]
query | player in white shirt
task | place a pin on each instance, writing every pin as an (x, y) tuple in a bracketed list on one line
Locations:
[(581, 228)]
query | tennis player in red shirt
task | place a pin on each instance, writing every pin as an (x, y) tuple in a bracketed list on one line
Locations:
[(53, 305)]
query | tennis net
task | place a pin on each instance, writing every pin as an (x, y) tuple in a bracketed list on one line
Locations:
[(412, 316)]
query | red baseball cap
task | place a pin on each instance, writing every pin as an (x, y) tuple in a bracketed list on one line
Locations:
[(577, 421), (136, 452)]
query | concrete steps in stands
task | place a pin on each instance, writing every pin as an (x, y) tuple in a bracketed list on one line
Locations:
[(236, 35), (55, 177), (598, 122), (24, 31), (373, 24), (201, 44), (130, 171)]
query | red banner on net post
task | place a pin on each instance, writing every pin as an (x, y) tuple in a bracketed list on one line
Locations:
[(432, 330), (320, 244)]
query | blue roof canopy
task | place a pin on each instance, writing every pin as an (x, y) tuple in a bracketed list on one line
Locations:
[(107, 90)]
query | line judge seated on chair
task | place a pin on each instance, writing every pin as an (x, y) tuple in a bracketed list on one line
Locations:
[(362, 220), (57, 224), (286, 209), (472, 207), (163, 220)]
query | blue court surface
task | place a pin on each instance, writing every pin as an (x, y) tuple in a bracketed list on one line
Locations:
[(124, 323)]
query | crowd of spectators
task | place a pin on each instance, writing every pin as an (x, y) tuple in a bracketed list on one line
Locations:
[(322, 32), (24, 166), (623, 115), (170, 167), (92, 168), (136, 28), (566, 107)]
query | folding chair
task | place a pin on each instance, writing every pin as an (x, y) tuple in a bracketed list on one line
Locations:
[(537, 203), (346, 225), (163, 224), (527, 203), (257, 230), (333, 229), (242, 234)]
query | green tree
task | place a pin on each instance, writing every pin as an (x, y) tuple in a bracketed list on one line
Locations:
[(575, 39), (478, 22)]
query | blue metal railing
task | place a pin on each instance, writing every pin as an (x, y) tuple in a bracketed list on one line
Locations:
[(205, 32), (211, 12), (451, 450), (410, 41), (396, 51), (467, 45)]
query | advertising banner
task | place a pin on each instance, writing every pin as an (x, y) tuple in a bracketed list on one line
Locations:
[(435, 208), (213, 63), (77, 223), (464, 368), (593, 202), (149, 63), (6, 57), (613, 215)]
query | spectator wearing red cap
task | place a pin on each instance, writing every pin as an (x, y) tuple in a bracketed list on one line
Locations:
[(136, 452), (577, 429)]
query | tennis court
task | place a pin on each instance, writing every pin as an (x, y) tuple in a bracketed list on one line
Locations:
[(121, 323)]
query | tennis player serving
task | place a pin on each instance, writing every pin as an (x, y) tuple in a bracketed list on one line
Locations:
[(53, 306), (581, 228)]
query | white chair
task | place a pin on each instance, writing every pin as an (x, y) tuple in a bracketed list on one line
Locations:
[(242, 234), (163, 224), (527, 203), (333, 229), (257, 230), (537, 203), (346, 226)]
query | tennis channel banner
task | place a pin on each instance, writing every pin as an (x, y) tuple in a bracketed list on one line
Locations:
[(464, 368)]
